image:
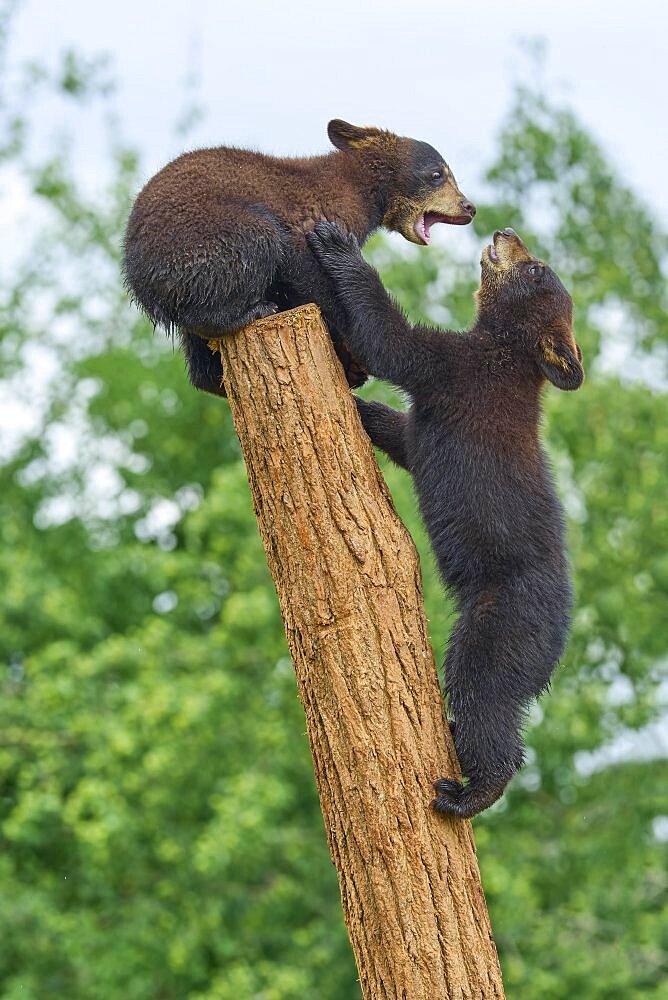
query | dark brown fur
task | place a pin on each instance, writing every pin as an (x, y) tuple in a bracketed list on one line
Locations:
[(217, 238), (471, 442)]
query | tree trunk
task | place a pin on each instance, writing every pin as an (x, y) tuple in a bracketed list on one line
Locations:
[(348, 581)]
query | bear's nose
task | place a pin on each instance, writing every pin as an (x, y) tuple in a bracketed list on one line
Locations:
[(509, 232), (468, 207)]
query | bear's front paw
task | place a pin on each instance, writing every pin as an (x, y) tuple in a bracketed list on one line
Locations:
[(332, 246)]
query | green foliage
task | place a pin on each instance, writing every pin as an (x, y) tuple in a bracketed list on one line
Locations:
[(160, 831)]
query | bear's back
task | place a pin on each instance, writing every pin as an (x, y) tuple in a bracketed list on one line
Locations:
[(201, 180)]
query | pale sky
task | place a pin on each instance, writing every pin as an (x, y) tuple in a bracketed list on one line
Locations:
[(272, 74)]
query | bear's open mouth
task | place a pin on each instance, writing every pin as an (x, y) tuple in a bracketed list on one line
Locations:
[(506, 248), (429, 219)]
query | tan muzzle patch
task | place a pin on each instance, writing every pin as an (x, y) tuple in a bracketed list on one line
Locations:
[(507, 249), (413, 218)]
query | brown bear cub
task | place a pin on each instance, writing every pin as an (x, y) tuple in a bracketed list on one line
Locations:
[(217, 238), (471, 442)]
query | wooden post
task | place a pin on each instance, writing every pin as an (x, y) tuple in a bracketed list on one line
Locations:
[(348, 581)]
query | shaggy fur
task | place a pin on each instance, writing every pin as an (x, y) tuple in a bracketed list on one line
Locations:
[(471, 442), (217, 238)]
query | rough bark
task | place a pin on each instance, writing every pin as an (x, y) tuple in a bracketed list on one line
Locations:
[(348, 581)]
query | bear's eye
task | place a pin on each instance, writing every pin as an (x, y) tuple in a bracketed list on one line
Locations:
[(535, 270), (437, 175)]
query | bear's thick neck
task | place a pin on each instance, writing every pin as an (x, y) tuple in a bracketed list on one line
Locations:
[(510, 372), (367, 182)]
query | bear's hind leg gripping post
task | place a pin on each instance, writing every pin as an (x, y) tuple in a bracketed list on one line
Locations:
[(488, 706), (386, 428), (204, 368)]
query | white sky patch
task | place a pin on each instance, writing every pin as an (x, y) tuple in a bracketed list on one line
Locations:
[(620, 354), (639, 745), (164, 514), (165, 602), (660, 828), (19, 218), (23, 402)]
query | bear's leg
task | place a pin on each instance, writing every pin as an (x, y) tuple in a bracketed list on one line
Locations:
[(208, 279), (223, 282), (384, 343), (303, 280), (486, 685), (386, 428), (205, 370), (227, 318)]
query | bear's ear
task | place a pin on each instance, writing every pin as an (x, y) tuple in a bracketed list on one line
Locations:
[(560, 360), (345, 136)]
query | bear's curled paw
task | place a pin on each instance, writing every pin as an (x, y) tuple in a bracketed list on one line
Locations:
[(447, 790), (333, 247), (260, 311), (465, 801)]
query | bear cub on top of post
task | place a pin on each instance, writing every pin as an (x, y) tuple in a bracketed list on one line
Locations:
[(471, 442), (217, 238)]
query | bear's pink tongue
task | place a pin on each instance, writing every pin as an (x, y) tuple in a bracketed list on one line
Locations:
[(422, 229), (428, 219)]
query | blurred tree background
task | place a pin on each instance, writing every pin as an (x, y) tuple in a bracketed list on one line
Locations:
[(160, 833)]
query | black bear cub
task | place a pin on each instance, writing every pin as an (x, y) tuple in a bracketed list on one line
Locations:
[(471, 442), (217, 238)]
